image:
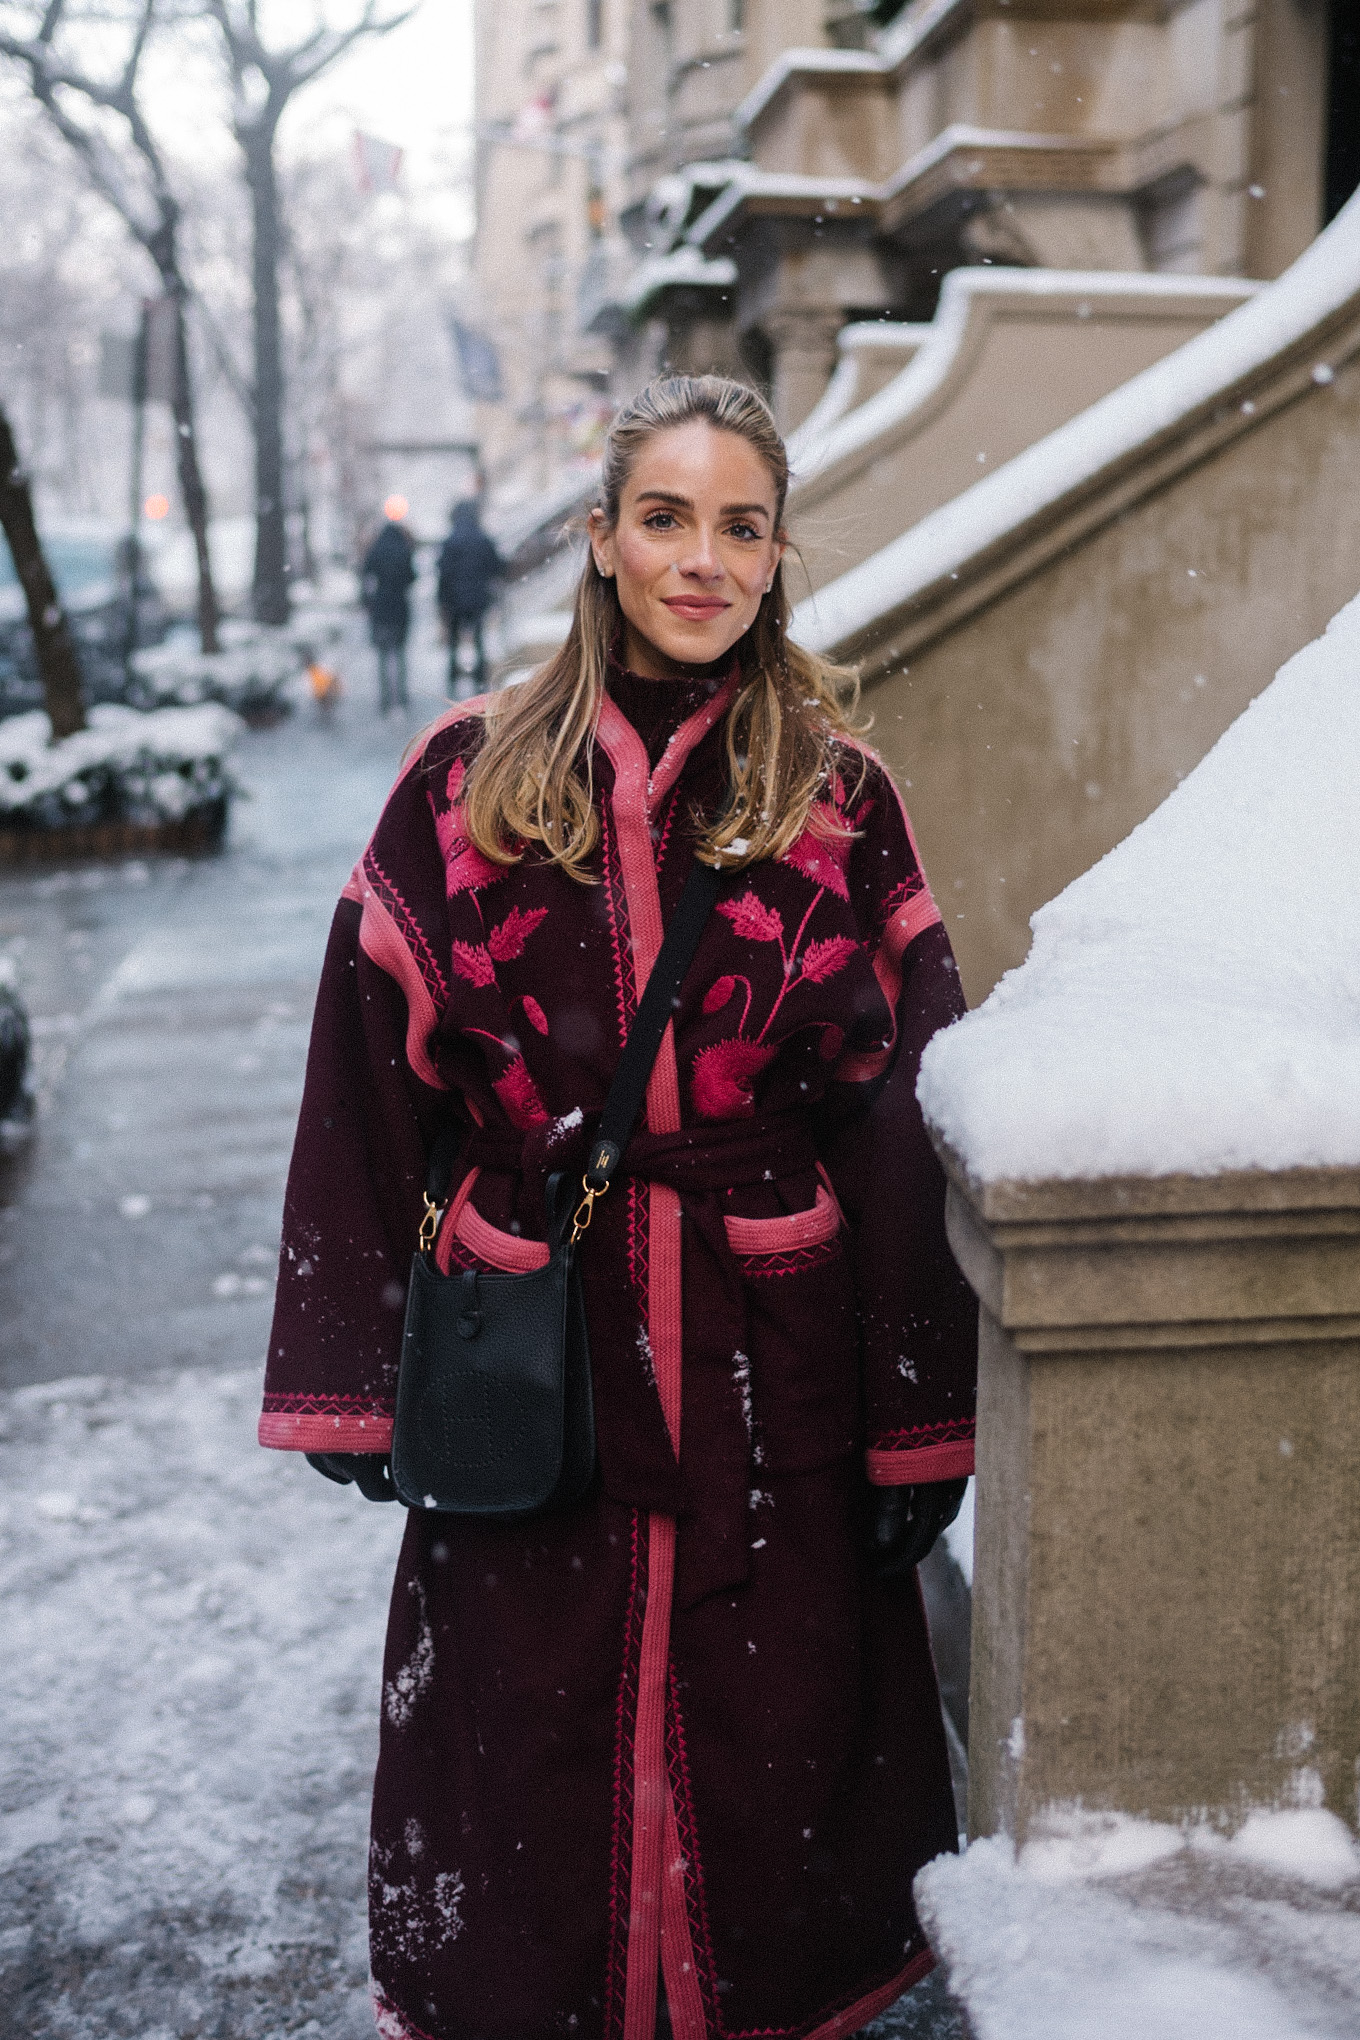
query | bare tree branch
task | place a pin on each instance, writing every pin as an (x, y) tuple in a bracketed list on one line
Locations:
[(152, 218), (263, 80)]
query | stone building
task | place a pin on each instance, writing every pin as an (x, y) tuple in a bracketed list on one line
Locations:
[(731, 183)]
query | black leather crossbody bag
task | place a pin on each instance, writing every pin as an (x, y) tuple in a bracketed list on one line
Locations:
[(495, 1415)]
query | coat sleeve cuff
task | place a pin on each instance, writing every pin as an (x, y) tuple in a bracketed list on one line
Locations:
[(332, 1431), (904, 1466)]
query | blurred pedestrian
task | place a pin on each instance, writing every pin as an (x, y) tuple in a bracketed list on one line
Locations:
[(469, 568), (388, 571)]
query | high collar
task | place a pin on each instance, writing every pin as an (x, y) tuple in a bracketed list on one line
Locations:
[(697, 704), (657, 708)]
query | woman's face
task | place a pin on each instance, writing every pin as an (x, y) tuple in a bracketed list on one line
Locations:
[(694, 550)]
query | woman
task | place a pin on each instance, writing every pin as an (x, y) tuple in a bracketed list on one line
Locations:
[(684, 1737)]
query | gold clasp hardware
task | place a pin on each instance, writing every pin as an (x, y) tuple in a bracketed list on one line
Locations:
[(429, 1224), (586, 1206)]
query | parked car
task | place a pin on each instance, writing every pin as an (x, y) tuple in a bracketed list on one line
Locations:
[(89, 565), (16, 1099)]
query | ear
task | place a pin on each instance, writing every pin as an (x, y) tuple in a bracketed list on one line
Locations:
[(601, 544)]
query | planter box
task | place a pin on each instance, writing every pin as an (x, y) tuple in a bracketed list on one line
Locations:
[(191, 834)]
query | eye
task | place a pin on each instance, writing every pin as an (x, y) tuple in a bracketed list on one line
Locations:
[(741, 529), (659, 520)]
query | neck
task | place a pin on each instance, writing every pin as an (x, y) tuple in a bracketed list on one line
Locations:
[(649, 662)]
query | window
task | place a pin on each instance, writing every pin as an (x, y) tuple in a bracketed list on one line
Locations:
[(1342, 174), (594, 23), (736, 17)]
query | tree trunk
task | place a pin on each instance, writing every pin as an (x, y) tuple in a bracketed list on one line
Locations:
[(192, 492), (53, 644), (163, 248), (270, 590)]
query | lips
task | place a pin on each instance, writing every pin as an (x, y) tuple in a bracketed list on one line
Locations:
[(696, 608)]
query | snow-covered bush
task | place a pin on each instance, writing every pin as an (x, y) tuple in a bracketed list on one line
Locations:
[(129, 765), (249, 674)]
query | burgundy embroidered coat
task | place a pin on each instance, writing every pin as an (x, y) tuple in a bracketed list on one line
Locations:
[(678, 1731)]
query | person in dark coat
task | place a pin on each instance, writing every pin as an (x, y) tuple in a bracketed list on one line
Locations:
[(678, 1745), (388, 571), (469, 568)]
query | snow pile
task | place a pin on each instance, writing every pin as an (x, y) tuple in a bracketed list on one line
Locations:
[(249, 674), (190, 1687), (126, 766), (1108, 1925), (959, 1536), (1191, 1003), (1217, 364)]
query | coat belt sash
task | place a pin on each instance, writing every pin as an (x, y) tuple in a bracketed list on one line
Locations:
[(709, 1490)]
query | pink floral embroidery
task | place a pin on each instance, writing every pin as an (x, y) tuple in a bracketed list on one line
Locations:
[(751, 918), (465, 868), (519, 1095), (723, 1078), (534, 1013), (822, 960), (507, 942), (821, 859), (472, 962), (822, 852)]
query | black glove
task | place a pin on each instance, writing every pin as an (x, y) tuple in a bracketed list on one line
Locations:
[(906, 1522), (368, 1470)]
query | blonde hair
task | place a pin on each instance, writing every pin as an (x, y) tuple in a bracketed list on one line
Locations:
[(531, 782)]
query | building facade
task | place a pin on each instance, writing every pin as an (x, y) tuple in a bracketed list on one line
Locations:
[(729, 183)]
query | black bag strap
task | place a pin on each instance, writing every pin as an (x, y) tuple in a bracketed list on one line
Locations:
[(655, 1008), (629, 1087)]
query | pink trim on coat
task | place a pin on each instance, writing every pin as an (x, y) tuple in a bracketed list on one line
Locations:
[(911, 919), (381, 941), (651, 1788), (296, 1431), (653, 1810), (952, 1461), (691, 731), (790, 1230), (866, 2008), (684, 1999)]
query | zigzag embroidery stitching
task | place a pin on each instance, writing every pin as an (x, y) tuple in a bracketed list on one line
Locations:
[(955, 1431), (325, 1406), (696, 1901), (792, 1262), (410, 930), (621, 1851), (625, 983)]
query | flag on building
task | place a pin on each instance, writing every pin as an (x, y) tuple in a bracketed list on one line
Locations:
[(478, 363), (377, 164)]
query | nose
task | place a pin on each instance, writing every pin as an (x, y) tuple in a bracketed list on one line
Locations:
[(701, 561)]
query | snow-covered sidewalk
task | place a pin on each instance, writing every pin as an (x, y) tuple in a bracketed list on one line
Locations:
[(189, 1689), (1110, 1928)]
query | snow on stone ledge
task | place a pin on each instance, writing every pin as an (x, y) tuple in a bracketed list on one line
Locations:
[(1279, 316), (1192, 1003), (1106, 1926)]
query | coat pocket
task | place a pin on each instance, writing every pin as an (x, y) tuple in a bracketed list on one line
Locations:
[(804, 1342)]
